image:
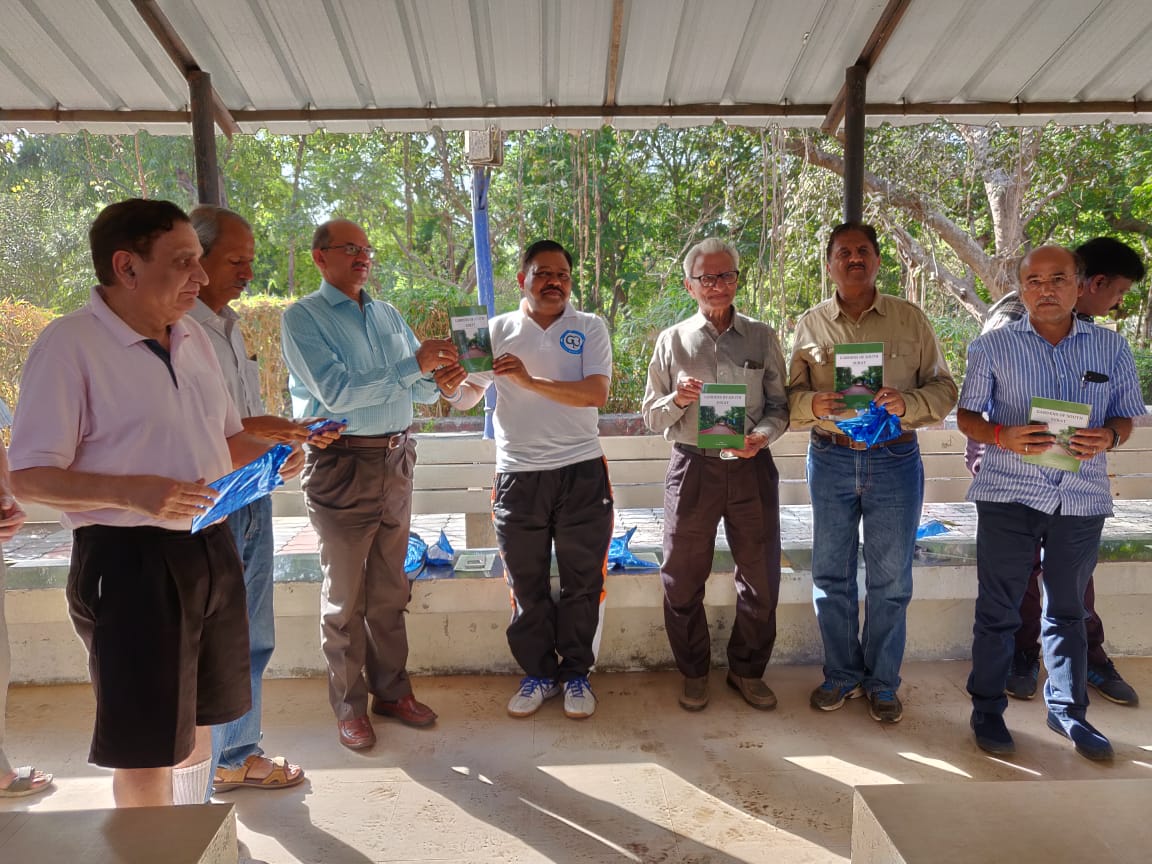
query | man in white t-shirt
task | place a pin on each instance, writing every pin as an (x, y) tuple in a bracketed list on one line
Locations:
[(552, 370)]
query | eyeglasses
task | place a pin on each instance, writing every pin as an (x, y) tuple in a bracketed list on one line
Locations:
[(709, 280), (1033, 283), (352, 250), (548, 275)]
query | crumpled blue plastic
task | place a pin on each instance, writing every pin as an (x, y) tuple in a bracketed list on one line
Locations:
[(620, 557), (416, 556), (441, 552), (931, 528), (873, 425), (245, 485)]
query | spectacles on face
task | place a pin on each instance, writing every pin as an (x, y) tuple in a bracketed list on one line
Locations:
[(352, 250), (550, 276), (709, 280), (1035, 283)]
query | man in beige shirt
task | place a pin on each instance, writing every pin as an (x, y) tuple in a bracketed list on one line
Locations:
[(849, 481), (719, 345)]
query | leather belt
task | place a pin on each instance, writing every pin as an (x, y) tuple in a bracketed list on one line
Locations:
[(698, 451), (845, 441), (389, 441)]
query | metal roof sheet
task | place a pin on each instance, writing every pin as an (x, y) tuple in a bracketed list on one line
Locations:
[(406, 65)]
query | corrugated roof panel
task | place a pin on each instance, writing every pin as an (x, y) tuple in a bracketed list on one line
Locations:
[(776, 39), (378, 32), (1112, 54), (517, 52), (578, 37), (444, 34), (706, 47), (838, 35), (647, 49), (316, 51)]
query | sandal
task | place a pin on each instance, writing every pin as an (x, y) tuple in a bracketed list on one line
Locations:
[(283, 775), (28, 781)]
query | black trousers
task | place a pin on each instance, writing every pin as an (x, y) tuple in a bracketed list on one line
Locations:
[(570, 507), (700, 491)]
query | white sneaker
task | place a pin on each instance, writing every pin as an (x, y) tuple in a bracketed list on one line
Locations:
[(531, 695), (579, 700)]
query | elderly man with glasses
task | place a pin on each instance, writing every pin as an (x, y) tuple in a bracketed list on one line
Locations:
[(719, 345), (351, 356)]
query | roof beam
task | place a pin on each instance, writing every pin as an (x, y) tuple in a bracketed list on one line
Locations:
[(881, 33), (612, 79), (703, 110), (178, 51)]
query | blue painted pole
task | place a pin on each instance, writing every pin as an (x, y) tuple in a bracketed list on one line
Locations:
[(485, 288)]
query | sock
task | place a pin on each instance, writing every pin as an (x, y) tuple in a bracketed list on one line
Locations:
[(190, 784)]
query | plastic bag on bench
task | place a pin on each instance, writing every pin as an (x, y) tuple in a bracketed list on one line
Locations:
[(416, 557), (620, 557)]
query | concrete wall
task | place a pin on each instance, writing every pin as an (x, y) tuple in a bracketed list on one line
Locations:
[(457, 625)]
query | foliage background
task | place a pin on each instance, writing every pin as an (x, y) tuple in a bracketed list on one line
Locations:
[(956, 206)]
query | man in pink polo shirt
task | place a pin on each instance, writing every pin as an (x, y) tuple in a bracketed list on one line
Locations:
[(123, 417)]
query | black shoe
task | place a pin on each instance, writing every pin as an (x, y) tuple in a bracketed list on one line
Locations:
[(1022, 677), (1111, 686), (992, 735), (1089, 742)]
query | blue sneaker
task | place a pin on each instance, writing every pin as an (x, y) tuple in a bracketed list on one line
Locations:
[(885, 707), (531, 695), (829, 696), (579, 700), (1111, 686), (1089, 742)]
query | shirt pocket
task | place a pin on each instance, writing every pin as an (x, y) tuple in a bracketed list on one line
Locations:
[(902, 364)]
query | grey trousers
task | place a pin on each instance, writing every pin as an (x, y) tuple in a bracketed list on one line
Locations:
[(359, 496)]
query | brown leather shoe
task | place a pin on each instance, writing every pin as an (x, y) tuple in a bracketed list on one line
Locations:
[(357, 733), (755, 692), (694, 696), (407, 710)]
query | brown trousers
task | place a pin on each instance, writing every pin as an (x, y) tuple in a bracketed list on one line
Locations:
[(359, 495), (700, 491)]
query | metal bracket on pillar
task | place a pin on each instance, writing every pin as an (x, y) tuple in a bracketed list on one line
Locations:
[(204, 137), (855, 84)]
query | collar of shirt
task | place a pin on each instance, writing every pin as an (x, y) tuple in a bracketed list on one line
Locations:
[(568, 312), (335, 296), (119, 328), (879, 306), (698, 321), (203, 315), (1025, 323)]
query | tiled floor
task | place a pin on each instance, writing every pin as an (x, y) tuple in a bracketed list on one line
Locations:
[(642, 781)]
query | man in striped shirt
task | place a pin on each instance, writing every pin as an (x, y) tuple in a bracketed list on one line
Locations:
[(1049, 354)]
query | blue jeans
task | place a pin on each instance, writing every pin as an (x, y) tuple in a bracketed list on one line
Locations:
[(251, 526), (1006, 540), (883, 486)]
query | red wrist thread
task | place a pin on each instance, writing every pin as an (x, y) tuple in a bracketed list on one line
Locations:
[(996, 434)]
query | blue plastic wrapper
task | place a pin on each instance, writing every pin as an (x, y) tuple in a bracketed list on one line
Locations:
[(931, 528), (245, 485), (620, 557), (873, 425), (441, 552), (416, 557)]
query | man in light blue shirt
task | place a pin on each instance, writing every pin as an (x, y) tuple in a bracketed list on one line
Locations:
[(353, 357), (1050, 354)]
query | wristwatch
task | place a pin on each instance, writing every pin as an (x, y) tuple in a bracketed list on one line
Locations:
[(1115, 437)]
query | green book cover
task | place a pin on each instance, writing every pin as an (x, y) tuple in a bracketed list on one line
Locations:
[(1064, 419), (721, 422), (473, 340), (859, 372)]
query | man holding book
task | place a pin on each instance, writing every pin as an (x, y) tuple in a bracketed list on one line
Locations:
[(552, 370), (352, 356), (862, 333), (1028, 382), (716, 390), (1110, 270)]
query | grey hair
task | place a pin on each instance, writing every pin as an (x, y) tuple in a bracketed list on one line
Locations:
[(708, 247), (206, 219)]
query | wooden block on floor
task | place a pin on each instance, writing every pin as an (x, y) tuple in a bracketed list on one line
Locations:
[(195, 834), (1057, 822)]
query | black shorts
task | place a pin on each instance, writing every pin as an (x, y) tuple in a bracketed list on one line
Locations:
[(164, 617)]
